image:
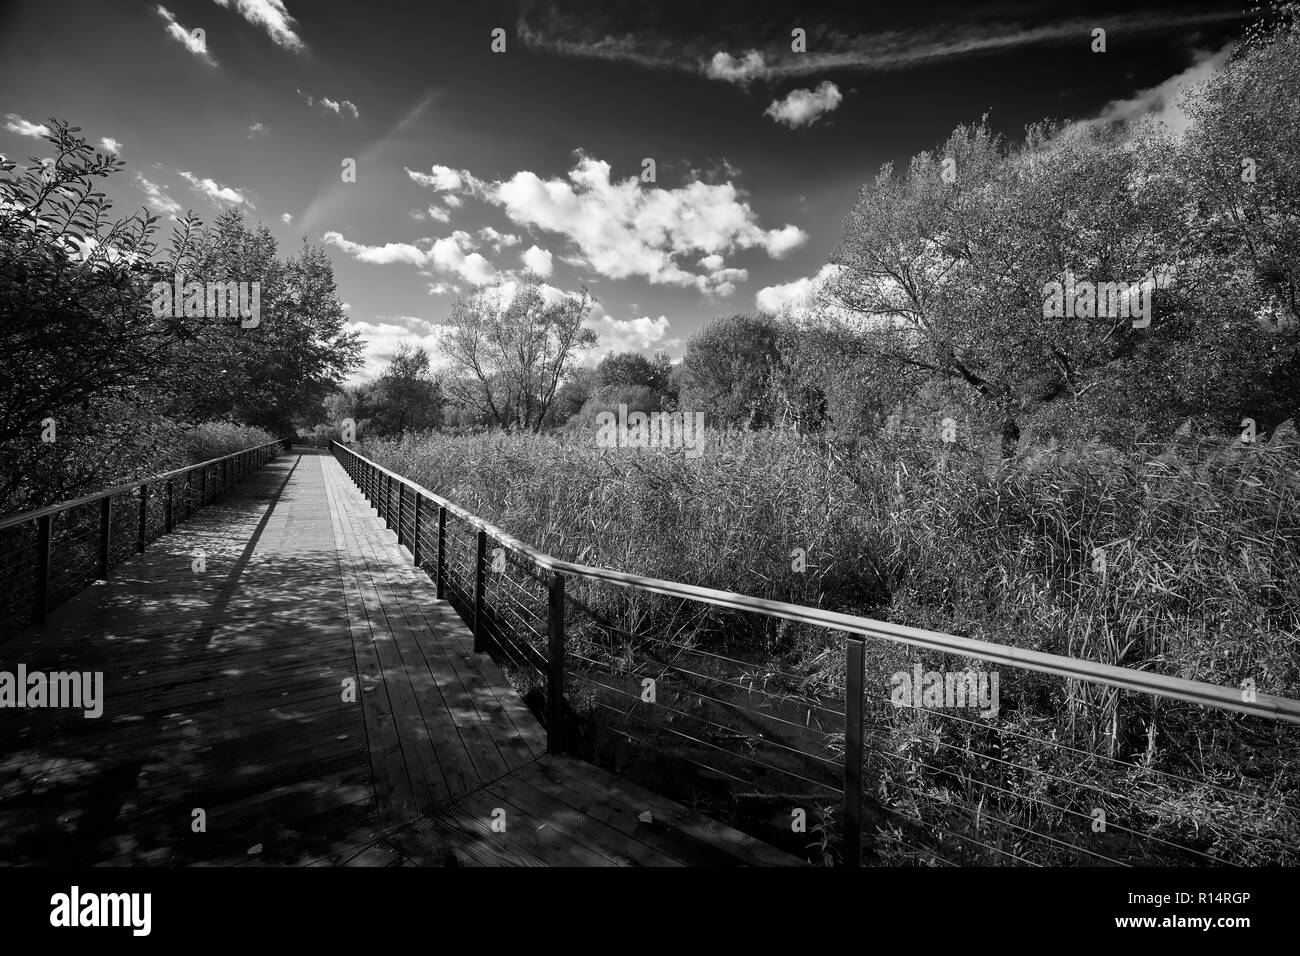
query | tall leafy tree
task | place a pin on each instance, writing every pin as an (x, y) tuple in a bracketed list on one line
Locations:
[(406, 397), (727, 370), (513, 349)]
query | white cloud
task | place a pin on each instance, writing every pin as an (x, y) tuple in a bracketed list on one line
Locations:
[(16, 124), (438, 213), (111, 145), (197, 45), (346, 106), (797, 296), (286, 218), (388, 254), (538, 261), (498, 240), (158, 200), (622, 229), (1162, 102), (444, 179), (255, 129), (452, 200), (630, 335), (587, 34), (743, 70), (215, 191), (331, 106), (384, 335), (723, 282), (804, 107), (448, 255), (272, 16)]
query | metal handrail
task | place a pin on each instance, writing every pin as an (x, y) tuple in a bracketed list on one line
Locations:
[(118, 489), (1125, 678), (235, 466)]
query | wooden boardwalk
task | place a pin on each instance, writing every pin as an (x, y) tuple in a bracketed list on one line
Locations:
[(305, 699)]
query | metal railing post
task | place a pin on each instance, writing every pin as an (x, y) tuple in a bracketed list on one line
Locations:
[(480, 562), (105, 536), (440, 572), (144, 517), (415, 531), (853, 703), (401, 500), (555, 666), (43, 535)]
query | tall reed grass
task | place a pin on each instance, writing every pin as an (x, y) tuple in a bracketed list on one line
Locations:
[(1181, 558)]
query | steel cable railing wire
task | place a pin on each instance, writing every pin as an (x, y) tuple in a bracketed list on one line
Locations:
[(1111, 795), (692, 692), (76, 549), (1037, 795)]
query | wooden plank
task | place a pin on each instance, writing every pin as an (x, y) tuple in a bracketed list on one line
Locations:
[(527, 832), (668, 813)]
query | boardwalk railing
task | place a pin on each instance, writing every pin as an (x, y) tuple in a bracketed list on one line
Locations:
[(50, 554), (1084, 763)]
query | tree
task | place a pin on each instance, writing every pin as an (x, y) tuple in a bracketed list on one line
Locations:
[(406, 396), (514, 347), (82, 347), (119, 381), (944, 272), (727, 370), (276, 373), (571, 396)]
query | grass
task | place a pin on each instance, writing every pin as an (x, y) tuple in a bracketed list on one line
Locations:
[(1180, 559)]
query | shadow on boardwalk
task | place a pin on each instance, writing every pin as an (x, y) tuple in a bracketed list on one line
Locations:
[(303, 698)]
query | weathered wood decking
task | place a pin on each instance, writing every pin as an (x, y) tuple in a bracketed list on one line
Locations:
[(225, 692)]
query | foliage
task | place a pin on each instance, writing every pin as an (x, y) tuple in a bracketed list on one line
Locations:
[(514, 348)]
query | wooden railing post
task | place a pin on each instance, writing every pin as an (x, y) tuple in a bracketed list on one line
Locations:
[(555, 666), (144, 517), (167, 507), (43, 529), (480, 576), (853, 703), (203, 488), (189, 496), (440, 572), (415, 531), (105, 536)]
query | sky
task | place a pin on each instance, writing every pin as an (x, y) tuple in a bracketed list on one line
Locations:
[(476, 165)]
